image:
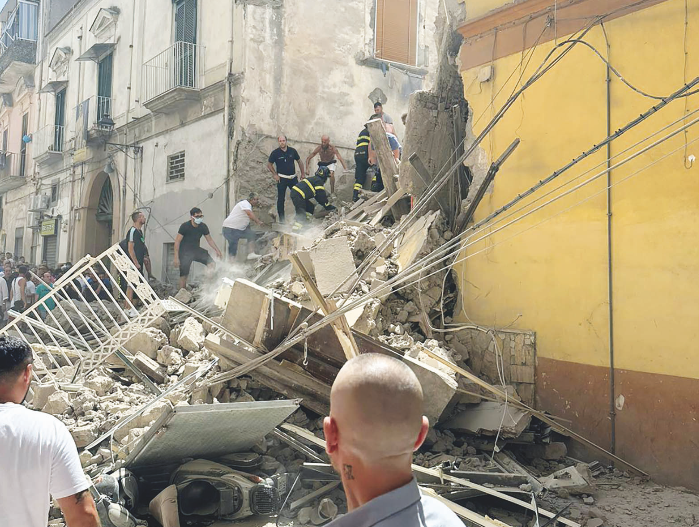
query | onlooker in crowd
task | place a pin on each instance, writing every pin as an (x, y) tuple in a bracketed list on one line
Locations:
[(42, 290), (282, 165), (21, 261), (4, 302), (237, 224), (187, 249), (18, 290), (382, 394), (30, 288), (92, 289), (134, 245), (388, 121), (9, 275), (327, 153), (39, 459), (8, 257)]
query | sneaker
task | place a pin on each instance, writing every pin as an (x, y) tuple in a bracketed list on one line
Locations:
[(252, 256), (132, 312)]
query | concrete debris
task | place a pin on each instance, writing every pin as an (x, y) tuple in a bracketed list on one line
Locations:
[(147, 342), (573, 480), (333, 262), (42, 392), (171, 358), (191, 335), (58, 403), (150, 367), (184, 296), (487, 418)]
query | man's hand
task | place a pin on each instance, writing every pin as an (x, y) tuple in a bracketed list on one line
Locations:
[(277, 178), (176, 262), (218, 254), (79, 510)]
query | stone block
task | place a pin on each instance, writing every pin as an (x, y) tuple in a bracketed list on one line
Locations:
[(191, 337), (84, 435), (57, 404), (101, 384), (42, 392), (147, 341), (151, 368), (184, 296), (333, 262)]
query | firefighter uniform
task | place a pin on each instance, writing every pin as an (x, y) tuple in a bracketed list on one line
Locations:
[(304, 191), (361, 162)]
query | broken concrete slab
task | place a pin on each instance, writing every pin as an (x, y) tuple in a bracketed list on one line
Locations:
[(101, 384), (333, 262), (84, 435), (147, 341), (574, 480), (42, 392), (151, 368), (414, 240), (439, 388), (486, 418), (57, 404)]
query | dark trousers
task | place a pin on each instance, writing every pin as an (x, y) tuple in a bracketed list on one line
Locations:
[(361, 166), (233, 235), (302, 206), (377, 181), (284, 183)]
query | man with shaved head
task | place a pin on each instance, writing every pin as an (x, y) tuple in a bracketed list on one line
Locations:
[(327, 153), (375, 425)]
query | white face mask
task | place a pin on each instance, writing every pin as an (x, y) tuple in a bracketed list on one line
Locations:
[(198, 220)]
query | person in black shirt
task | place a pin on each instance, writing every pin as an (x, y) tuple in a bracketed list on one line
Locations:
[(187, 248), (134, 245), (281, 164)]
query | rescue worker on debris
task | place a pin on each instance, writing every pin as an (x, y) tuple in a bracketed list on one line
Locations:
[(361, 161), (310, 188)]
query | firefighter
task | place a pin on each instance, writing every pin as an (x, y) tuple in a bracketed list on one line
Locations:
[(361, 162), (310, 188)]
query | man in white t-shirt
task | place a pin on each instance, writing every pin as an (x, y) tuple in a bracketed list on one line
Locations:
[(237, 224), (39, 458)]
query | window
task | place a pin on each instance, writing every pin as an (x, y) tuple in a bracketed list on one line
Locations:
[(54, 192), (396, 31), (59, 121), (104, 88), (175, 167), (23, 146), (19, 242)]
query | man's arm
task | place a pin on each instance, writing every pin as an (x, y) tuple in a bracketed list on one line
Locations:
[(23, 294), (252, 217), (213, 245), (178, 240), (303, 172), (270, 167), (308, 159), (79, 510), (339, 157)]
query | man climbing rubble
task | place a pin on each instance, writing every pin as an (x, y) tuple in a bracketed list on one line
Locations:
[(134, 245), (327, 153), (382, 394), (39, 458), (187, 249), (281, 164), (237, 224), (310, 188)]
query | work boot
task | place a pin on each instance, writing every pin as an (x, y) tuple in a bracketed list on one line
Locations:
[(297, 226)]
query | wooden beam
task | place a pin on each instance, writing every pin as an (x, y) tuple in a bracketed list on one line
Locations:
[(340, 326), (387, 207), (384, 155)]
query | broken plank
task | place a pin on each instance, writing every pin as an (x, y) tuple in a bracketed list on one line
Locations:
[(341, 327), (356, 212), (439, 475), (513, 467), (313, 495), (539, 415), (491, 478), (387, 207), (296, 445)]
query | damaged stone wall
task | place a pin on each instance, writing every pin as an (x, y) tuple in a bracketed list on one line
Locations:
[(306, 80)]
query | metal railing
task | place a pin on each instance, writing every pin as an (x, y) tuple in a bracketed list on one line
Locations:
[(176, 67), (22, 24), (49, 139)]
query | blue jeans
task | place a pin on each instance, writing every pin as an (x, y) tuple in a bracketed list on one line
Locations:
[(233, 235)]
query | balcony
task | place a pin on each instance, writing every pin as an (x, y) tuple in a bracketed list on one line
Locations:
[(18, 45), (48, 144), (12, 171), (93, 121), (171, 79)]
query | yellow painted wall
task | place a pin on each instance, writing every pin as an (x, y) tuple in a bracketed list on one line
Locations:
[(478, 8), (553, 277)]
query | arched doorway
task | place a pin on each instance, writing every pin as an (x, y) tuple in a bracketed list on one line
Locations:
[(100, 215)]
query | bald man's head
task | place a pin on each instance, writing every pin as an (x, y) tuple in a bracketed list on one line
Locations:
[(376, 405)]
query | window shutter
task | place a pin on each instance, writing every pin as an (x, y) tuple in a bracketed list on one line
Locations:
[(186, 21), (396, 30)]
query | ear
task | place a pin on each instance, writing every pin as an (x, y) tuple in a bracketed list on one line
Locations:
[(332, 435), (423, 433), (27, 375)]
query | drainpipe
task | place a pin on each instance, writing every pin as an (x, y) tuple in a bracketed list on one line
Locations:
[(227, 118), (612, 405)]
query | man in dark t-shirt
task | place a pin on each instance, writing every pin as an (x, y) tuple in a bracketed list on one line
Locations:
[(187, 248), (281, 164), (134, 245)]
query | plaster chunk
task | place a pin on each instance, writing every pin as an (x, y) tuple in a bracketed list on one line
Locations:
[(84, 435), (147, 341), (191, 337), (58, 404), (333, 262), (42, 392), (101, 384), (184, 296)]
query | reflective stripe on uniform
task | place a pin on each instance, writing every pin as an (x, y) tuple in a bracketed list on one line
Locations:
[(358, 186), (320, 188), (310, 186), (299, 191)]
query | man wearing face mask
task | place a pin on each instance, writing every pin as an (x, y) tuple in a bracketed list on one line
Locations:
[(39, 458), (187, 248)]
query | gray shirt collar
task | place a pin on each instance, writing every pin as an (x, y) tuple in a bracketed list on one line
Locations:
[(381, 507)]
